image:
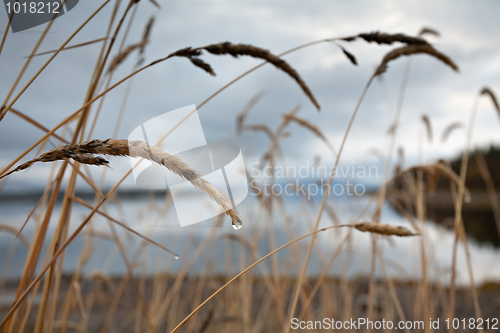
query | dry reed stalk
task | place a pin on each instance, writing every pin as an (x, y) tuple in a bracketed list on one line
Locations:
[(29, 269), (103, 276), (241, 117), (26, 64), (260, 128), (405, 213), (392, 291), (458, 222), (120, 57), (238, 239), (15, 232), (438, 169), (146, 33), (428, 127), (44, 195), (71, 47), (84, 153), (34, 253), (382, 195), (366, 226), (130, 271), (7, 108), (6, 31), (322, 276), (489, 92), (313, 128), (120, 290), (35, 123), (79, 299), (174, 291), (147, 239), (449, 129), (103, 59), (384, 229), (53, 277), (413, 49), (87, 180), (100, 234), (64, 325), (323, 203), (78, 134)]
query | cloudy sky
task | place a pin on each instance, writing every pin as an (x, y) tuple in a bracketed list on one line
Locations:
[(469, 35)]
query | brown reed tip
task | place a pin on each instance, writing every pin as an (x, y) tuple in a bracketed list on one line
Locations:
[(260, 128), (429, 31), (350, 56), (384, 229), (489, 92), (203, 65), (146, 33), (240, 119), (236, 50), (385, 38), (120, 57), (428, 127), (449, 129), (413, 49)]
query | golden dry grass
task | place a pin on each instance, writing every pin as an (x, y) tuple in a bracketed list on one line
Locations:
[(160, 303)]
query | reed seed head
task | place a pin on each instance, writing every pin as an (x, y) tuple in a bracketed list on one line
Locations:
[(384, 229)]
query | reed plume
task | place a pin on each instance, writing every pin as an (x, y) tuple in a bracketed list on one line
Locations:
[(348, 54), (429, 31), (489, 92), (450, 128), (236, 50), (304, 123), (413, 49), (85, 153), (241, 117), (203, 65), (146, 33), (384, 229), (428, 127), (260, 128), (120, 57), (385, 38)]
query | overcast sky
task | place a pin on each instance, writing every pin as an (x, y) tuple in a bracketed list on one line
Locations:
[(469, 35)]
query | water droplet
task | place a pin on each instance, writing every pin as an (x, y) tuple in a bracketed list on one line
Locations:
[(467, 199), (176, 257), (237, 225)]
